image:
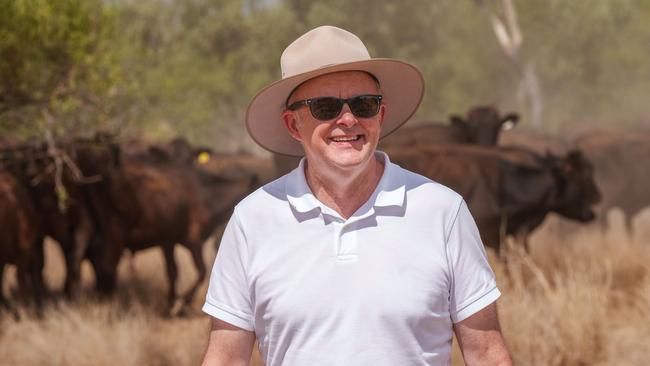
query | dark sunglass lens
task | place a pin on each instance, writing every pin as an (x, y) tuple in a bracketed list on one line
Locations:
[(365, 106), (326, 108)]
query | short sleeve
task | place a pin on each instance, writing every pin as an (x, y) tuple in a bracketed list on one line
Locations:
[(473, 286), (228, 296)]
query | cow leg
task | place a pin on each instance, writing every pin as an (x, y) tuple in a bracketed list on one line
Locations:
[(602, 220), (30, 284), (172, 273), (521, 240), (24, 283), (70, 275), (502, 235), (37, 285), (526, 243), (107, 277), (197, 257), (74, 257), (629, 226), (3, 300), (104, 261)]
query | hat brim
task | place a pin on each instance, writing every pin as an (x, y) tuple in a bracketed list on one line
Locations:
[(402, 87)]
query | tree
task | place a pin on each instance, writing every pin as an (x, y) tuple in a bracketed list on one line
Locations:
[(55, 70), (508, 33), (56, 76)]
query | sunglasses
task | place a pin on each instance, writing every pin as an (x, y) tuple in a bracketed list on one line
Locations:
[(327, 108)]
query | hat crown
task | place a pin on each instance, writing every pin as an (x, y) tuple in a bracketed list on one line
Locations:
[(321, 47)]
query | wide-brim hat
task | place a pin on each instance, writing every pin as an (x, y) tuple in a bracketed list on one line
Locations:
[(325, 50)]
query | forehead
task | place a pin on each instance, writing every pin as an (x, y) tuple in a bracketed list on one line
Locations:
[(344, 84)]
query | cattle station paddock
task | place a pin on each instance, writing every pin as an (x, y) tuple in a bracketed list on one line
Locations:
[(579, 298)]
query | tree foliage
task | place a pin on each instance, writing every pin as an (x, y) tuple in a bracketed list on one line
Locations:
[(160, 68), (53, 62)]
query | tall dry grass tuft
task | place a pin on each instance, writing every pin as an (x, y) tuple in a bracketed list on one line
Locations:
[(101, 334), (568, 302), (128, 330)]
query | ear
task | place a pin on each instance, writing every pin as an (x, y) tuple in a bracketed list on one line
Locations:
[(290, 120)]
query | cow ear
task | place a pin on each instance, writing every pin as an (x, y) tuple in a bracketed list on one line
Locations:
[(457, 121), (509, 121)]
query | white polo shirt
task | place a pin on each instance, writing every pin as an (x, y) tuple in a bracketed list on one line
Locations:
[(380, 288)]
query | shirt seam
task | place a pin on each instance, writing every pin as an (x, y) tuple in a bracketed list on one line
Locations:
[(247, 318), (474, 301), (240, 227), (452, 221), (450, 268)]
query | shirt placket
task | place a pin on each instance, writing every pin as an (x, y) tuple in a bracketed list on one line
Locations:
[(345, 241)]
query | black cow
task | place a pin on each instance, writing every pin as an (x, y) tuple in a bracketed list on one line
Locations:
[(508, 191)]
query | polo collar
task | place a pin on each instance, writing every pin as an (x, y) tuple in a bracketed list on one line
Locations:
[(390, 190)]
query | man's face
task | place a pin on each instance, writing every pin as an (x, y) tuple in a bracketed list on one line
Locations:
[(346, 141)]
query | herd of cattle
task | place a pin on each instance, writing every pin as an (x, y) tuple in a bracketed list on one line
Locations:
[(97, 197), (512, 180), (117, 196)]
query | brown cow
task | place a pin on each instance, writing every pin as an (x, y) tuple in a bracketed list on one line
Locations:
[(158, 199), (622, 170), (482, 127), (63, 217), (535, 141), (21, 240), (509, 191)]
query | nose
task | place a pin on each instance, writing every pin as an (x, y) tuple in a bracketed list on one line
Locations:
[(346, 118)]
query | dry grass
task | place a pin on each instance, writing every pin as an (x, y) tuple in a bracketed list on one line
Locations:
[(580, 298)]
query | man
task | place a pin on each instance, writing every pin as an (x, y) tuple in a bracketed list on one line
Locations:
[(348, 259)]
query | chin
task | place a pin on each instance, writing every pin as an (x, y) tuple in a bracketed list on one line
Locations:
[(350, 159)]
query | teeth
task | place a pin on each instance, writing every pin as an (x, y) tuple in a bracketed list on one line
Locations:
[(345, 139)]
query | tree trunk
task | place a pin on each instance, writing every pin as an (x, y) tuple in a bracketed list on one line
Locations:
[(509, 36)]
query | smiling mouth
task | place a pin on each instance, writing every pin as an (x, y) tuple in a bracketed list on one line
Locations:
[(346, 138)]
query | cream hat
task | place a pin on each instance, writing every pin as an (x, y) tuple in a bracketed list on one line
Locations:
[(325, 50)]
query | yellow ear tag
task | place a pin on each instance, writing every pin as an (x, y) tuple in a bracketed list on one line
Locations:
[(203, 158)]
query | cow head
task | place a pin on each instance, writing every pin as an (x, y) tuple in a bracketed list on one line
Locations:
[(483, 124), (181, 152), (576, 189), (97, 155)]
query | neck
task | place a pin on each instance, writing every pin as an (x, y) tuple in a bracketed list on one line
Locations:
[(343, 190)]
